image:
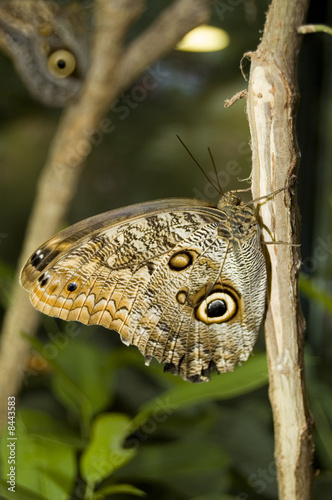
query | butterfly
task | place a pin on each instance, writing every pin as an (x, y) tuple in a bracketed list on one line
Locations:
[(182, 279), (49, 45)]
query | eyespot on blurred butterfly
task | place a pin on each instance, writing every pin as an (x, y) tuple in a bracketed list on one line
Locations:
[(182, 279)]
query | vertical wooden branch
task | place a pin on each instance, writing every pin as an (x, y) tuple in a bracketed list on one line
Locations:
[(272, 101)]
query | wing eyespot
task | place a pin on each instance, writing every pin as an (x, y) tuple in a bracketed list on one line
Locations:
[(181, 260), (219, 306), (61, 63), (182, 296)]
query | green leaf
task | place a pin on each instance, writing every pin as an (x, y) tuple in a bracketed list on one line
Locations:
[(20, 493), (83, 380), (320, 399), (88, 368), (314, 292), (189, 465), (116, 489), (42, 424), (105, 453), (43, 463), (250, 376)]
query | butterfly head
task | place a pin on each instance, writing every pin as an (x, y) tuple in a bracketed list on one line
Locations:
[(230, 199)]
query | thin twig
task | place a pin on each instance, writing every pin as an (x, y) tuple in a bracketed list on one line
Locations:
[(235, 97), (314, 28)]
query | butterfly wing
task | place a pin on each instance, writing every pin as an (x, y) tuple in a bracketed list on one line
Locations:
[(168, 276)]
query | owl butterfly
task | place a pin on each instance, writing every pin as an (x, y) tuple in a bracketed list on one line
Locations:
[(182, 279), (49, 45)]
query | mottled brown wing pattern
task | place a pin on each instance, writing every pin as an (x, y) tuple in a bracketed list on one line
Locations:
[(182, 280)]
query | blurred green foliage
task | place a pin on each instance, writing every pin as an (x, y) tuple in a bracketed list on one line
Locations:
[(93, 421), (117, 448)]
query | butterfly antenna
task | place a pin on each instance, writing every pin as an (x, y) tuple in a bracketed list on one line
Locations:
[(199, 166), (215, 171)]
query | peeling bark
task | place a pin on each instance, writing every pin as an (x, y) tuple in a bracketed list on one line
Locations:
[(272, 102)]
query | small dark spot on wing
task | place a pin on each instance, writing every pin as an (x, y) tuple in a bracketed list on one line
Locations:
[(42, 257), (71, 287), (150, 267), (43, 279)]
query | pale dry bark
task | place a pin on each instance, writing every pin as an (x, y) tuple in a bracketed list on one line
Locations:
[(113, 68), (272, 101)]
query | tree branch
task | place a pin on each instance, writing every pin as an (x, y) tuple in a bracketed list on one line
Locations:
[(272, 102), (113, 68)]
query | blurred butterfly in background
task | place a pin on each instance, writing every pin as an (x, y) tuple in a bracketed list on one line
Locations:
[(49, 45), (182, 279)]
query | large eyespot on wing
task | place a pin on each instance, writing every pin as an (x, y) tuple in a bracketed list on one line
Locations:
[(219, 306), (61, 63)]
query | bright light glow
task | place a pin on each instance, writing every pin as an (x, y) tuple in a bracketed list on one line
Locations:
[(204, 39)]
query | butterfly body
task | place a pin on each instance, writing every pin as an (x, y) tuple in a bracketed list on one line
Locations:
[(181, 279)]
